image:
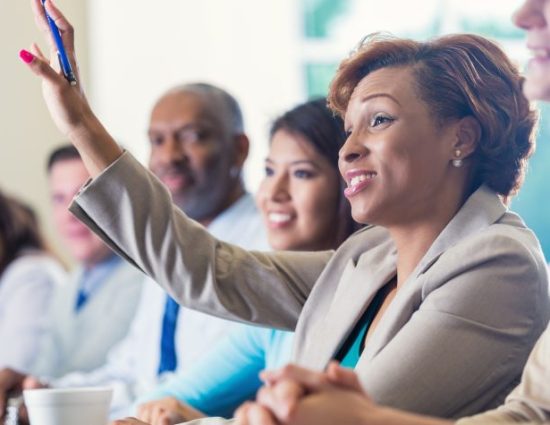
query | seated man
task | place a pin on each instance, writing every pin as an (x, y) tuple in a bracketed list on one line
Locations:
[(94, 310), (198, 148)]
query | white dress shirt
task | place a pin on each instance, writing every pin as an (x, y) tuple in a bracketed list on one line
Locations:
[(131, 368), (26, 289), (80, 340)]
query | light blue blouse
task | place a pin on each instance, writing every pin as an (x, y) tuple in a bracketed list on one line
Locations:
[(228, 374)]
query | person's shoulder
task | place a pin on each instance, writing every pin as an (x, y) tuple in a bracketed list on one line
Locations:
[(512, 226), (508, 236), (503, 254), (37, 264)]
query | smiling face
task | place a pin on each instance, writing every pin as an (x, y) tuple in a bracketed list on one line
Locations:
[(299, 195), (534, 17), (192, 154), (397, 159)]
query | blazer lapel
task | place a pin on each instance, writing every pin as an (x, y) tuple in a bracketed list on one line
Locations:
[(482, 209), (357, 287), (359, 283)]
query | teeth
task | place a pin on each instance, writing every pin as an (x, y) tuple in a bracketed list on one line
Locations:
[(361, 178), (279, 217)]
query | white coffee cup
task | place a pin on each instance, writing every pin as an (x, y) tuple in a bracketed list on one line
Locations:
[(68, 406)]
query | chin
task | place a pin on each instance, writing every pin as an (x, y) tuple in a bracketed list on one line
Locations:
[(279, 246), (362, 216), (279, 243)]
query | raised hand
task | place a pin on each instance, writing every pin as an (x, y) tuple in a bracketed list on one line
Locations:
[(67, 103)]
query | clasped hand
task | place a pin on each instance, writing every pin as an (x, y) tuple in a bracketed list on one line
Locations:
[(298, 396)]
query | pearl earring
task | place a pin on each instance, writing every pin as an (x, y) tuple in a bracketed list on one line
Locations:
[(457, 162)]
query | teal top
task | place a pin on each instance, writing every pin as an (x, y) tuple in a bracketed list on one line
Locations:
[(348, 355)]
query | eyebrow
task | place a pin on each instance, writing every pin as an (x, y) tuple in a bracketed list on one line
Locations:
[(298, 162), (190, 126), (371, 96)]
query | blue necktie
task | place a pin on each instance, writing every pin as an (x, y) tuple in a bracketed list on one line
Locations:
[(168, 357), (81, 299)]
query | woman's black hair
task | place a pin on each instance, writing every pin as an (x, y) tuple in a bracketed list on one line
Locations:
[(18, 230), (315, 122)]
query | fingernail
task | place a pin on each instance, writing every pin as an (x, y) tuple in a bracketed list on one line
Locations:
[(26, 56)]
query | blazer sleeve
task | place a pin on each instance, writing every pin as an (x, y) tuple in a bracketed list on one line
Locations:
[(133, 212), (482, 307), (530, 400)]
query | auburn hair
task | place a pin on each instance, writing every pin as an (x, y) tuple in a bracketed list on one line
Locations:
[(457, 76)]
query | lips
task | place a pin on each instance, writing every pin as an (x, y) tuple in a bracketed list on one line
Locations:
[(540, 52), (175, 178), (358, 180)]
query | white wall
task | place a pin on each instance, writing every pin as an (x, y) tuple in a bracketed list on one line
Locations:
[(27, 134), (138, 49), (130, 51)]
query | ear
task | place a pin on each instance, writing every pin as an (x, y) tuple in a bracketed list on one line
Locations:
[(468, 134), (242, 146)]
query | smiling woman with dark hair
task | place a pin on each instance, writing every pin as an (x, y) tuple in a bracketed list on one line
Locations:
[(303, 208), (443, 286)]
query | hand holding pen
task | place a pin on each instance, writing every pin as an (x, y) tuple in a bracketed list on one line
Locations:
[(67, 103)]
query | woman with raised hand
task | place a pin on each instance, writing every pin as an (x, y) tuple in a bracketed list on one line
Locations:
[(299, 396), (29, 275), (303, 206), (447, 283)]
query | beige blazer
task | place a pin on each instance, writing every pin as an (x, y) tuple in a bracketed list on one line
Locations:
[(530, 400), (453, 342)]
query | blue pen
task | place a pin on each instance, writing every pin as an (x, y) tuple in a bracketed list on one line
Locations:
[(61, 52)]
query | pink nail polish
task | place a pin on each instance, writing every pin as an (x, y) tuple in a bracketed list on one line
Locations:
[(27, 57)]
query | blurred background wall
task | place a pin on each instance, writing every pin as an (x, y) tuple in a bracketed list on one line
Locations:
[(270, 54), (27, 133)]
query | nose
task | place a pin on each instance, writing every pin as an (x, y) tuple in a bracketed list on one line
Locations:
[(530, 15), (351, 151), (278, 188), (171, 151)]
